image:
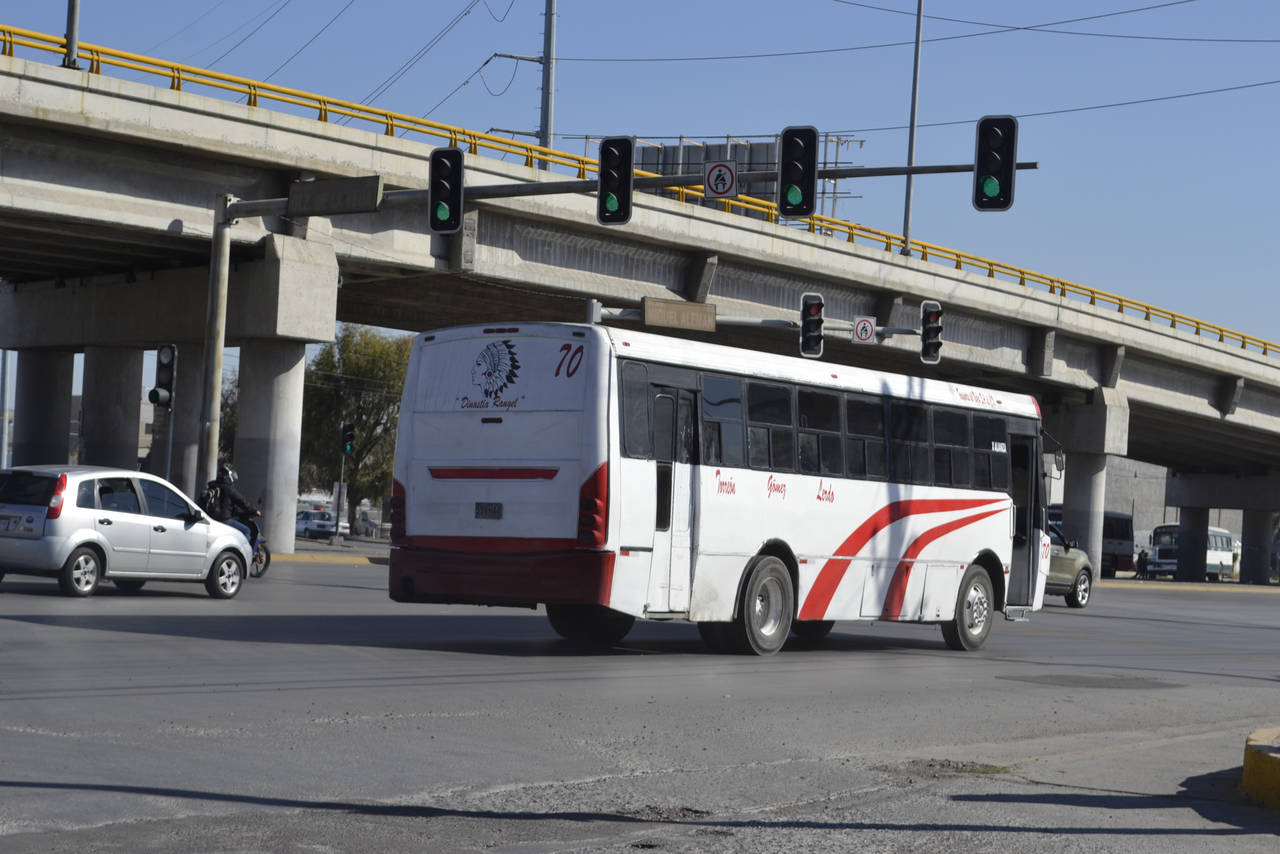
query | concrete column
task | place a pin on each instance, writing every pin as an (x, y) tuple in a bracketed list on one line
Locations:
[(1193, 539), (269, 433), (186, 422), (110, 406), (1255, 546), (42, 407), (1084, 498)]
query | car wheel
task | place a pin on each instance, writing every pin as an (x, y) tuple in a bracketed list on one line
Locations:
[(972, 622), (1079, 594), (224, 579), (812, 630), (766, 608), (81, 572), (308, 533), (593, 624), (128, 585)]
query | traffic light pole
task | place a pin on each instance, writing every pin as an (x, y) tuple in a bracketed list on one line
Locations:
[(215, 337)]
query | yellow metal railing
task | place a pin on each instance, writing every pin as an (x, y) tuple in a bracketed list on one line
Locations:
[(326, 109)]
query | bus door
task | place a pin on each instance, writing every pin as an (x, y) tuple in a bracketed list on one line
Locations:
[(675, 451), (1024, 562)]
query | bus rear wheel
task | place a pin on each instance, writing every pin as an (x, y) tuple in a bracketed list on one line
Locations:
[(974, 610), (590, 624), (766, 609)]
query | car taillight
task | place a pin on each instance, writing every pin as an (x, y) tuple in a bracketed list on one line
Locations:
[(397, 510), (55, 502), (593, 508)]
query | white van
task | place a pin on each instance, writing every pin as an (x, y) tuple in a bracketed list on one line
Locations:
[(1219, 559)]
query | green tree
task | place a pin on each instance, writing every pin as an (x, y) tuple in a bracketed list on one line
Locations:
[(355, 380)]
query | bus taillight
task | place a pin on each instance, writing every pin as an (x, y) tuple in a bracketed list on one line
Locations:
[(593, 508), (397, 510)]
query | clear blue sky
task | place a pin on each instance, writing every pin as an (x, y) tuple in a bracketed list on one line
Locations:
[(1169, 197)]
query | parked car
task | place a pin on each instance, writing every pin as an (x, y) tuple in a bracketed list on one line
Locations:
[(318, 523), (1070, 574), (86, 524)]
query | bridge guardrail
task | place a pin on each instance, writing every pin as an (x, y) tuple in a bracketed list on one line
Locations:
[(178, 74)]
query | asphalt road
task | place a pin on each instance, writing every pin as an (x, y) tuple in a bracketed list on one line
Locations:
[(311, 713)]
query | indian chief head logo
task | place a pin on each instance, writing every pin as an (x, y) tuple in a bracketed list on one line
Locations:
[(495, 368)]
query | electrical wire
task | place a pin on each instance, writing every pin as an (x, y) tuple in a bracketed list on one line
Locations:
[(409, 63), (319, 32), (206, 13), (252, 33), (1046, 28), (504, 14)]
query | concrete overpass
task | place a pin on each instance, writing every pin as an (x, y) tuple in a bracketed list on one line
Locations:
[(107, 188)]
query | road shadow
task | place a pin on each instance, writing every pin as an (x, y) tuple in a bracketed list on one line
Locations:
[(1216, 797), (499, 634)]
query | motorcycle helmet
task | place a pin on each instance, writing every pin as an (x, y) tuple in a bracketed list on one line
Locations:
[(227, 473)]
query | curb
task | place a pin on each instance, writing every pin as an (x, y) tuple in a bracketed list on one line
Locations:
[(1262, 767)]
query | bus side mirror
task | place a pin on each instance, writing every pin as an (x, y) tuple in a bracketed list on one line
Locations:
[(1059, 460)]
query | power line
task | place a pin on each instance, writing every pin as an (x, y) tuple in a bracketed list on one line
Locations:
[(252, 33), (319, 32), (417, 57), (201, 17)]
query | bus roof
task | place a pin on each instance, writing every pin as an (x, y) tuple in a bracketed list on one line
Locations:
[(734, 360)]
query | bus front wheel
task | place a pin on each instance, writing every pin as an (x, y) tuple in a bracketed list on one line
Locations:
[(974, 602), (590, 624)]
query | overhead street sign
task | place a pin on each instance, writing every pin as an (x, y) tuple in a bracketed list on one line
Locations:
[(332, 196), (720, 179), (678, 314)]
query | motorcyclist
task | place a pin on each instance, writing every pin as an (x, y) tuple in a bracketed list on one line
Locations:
[(230, 505)]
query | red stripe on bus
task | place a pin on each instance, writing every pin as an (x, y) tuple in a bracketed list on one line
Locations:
[(897, 592), (832, 572), (491, 474)]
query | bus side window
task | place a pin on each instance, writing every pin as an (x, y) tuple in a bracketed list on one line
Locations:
[(951, 448), (865, 443), (722, 442), (990, 453), (909, 442), (636, 440), (820, 445), (770, 446)]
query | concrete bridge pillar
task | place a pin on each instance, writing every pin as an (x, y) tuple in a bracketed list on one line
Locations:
[(1193, 539), (42, 407), (269, 432), (110, 406), (1255, 546), (1089, 432)]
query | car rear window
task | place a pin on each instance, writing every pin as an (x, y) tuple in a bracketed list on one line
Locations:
[(22, 487)]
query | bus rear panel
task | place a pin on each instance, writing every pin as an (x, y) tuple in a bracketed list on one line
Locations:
[(500, 493)]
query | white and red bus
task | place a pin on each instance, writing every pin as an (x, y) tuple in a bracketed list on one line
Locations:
[(609, 474)]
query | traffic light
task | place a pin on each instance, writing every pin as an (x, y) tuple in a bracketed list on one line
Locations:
[(348, 438), (613, 193), (166, 373), (811, 306), (797, 171), (930, 332), (445, 191), (995, 163)]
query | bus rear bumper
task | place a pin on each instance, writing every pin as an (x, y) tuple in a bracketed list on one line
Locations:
[(578, 577)]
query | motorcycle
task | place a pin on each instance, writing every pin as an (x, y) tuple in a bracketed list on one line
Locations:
[(261, 554)]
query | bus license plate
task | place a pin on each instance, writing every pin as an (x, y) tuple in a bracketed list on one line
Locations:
[(488, 510)]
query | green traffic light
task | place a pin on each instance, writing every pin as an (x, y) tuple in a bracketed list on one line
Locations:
[(442, 212), (794, 196), (611, 203), (990, 187)]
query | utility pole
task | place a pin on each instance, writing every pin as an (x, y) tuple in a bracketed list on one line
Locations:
[(545, 125), (73, 35), (4, 409), (911, 132)]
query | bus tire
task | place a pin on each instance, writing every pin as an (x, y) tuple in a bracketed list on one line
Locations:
[(812, 631), (974, 611), (766, 609), (589, 624)]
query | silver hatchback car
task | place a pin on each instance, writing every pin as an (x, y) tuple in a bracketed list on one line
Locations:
[(85, 524)]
